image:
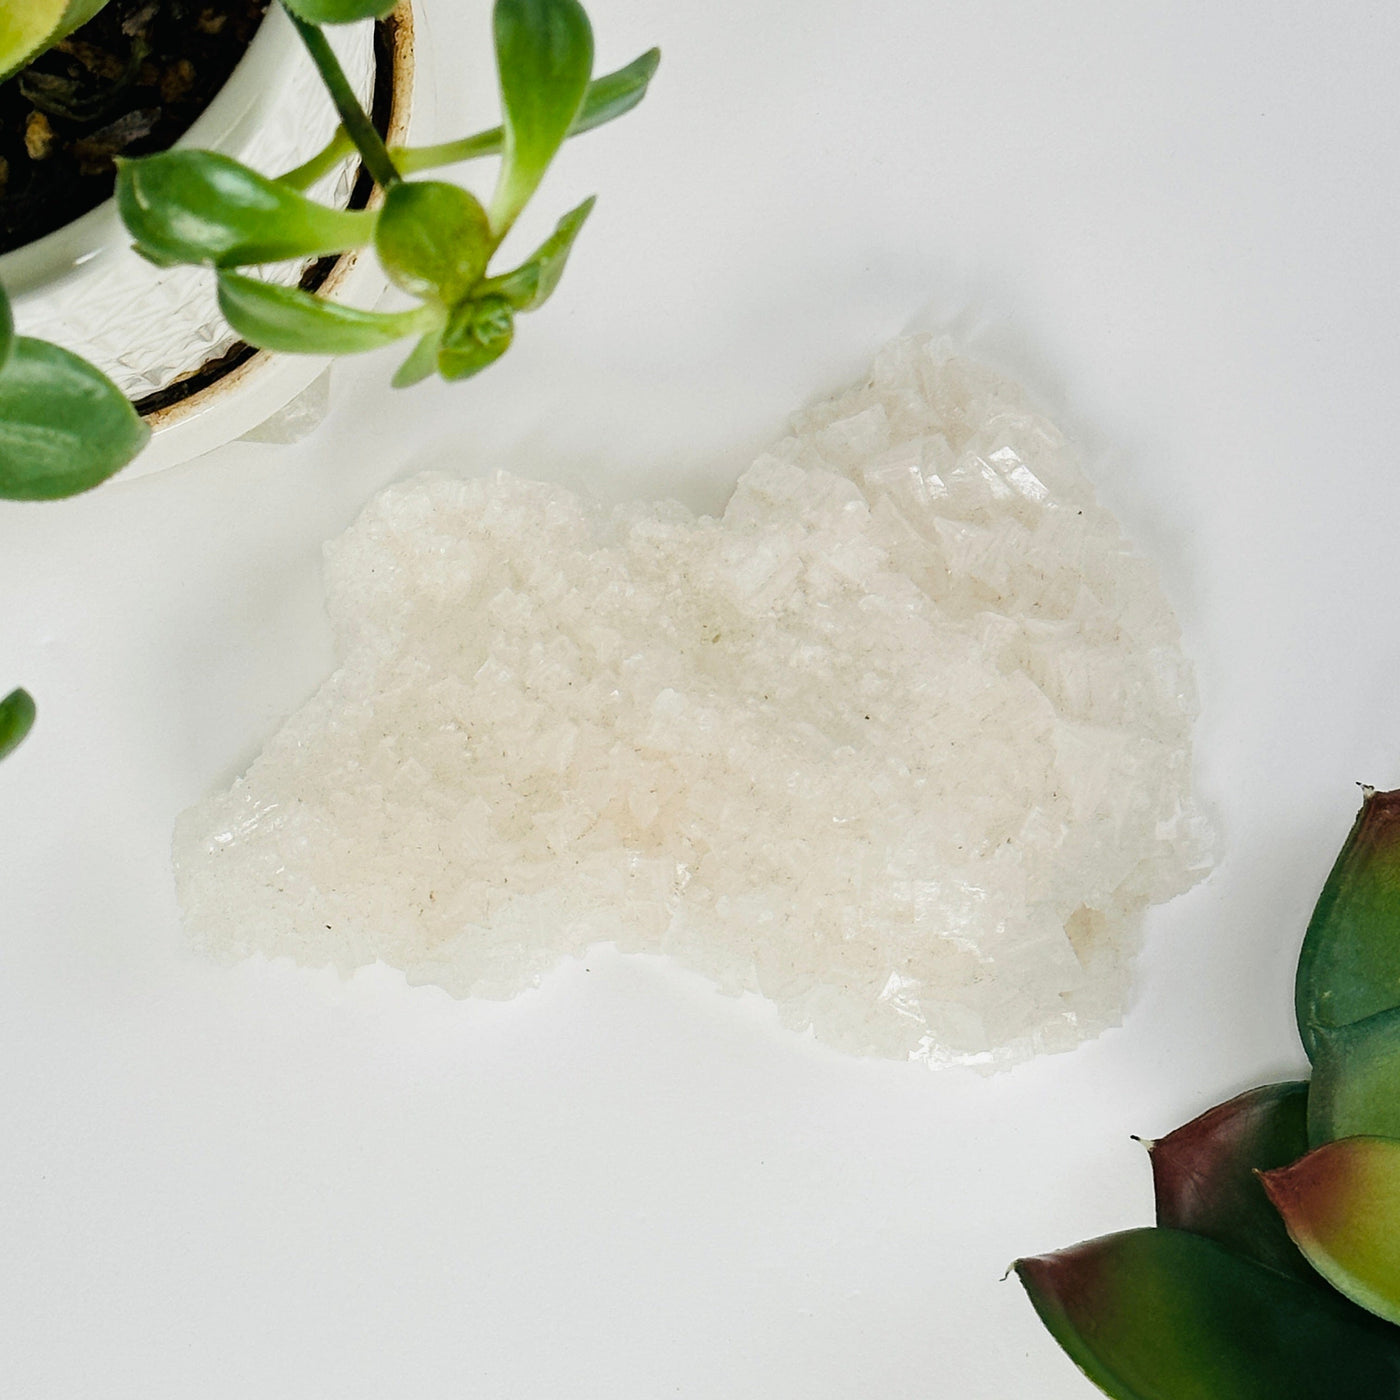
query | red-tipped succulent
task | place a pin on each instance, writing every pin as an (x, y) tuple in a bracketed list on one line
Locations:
[(1273, 1272)]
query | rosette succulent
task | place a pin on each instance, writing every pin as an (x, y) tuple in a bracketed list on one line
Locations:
[(1273, 1271)]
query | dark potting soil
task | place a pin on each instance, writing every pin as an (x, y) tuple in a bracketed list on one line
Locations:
[(130, 81)]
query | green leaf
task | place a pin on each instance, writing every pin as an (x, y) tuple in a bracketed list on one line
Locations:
[(7, 328), (201, 207), (30, 27), (1204, 1174), (1349, 968), (463, 364), (64, 426), (615, 94), (16, 720), (531, 284), (478, 334), (607, 98), (1342, 1207), (338, 11), (544, 57), (433, 239), (1356, 1081), (1164, 1315), (421, 364), (298, 323)]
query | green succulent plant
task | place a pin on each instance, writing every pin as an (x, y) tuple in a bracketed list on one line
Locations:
[(65, 427), (1273, 1272), (434, 239)]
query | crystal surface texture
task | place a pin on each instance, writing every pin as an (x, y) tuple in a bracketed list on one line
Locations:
[(901, 742)]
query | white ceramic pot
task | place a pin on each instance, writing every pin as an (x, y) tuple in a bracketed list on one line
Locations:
[(157, 331)]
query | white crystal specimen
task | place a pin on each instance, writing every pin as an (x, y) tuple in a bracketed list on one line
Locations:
[(902, 742)]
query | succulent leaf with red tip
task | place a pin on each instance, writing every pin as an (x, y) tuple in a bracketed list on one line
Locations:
[(1297, 1304), (1205, 1178), (1341, 1204), (1166, 1315)]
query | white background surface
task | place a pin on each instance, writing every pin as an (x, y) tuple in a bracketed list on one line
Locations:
[(1179, 225)]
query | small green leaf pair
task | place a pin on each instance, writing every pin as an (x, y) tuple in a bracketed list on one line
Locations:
[(477, 312), (1274, 1270), (434, 242)]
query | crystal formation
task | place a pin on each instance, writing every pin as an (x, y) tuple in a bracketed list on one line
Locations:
[(901, 742)]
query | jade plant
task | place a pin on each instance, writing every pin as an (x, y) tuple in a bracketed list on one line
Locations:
[(1273, 1271), (65, 427)]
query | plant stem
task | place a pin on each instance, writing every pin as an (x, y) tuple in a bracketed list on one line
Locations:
[(608, 97), (340, 147), (353, 117), (412, 159)]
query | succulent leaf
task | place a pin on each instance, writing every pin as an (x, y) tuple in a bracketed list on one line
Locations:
[(1204, 1174), (544, 59), (609, 97), (64, 426), (1341, 1204), (463, 363), (1349, 968), (433, 239), (200, 207), (1165, 1315), (421, 363), (616, 93), (298, 323), (32, 27), (1356, 1081), (531, 284), (16, 720), (478, 334)]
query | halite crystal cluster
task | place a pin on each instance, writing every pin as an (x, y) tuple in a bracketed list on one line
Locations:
[(901, 742)]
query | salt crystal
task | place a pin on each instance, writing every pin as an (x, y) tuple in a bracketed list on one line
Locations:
[(901, 742)]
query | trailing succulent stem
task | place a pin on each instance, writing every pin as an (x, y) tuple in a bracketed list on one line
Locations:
[(64, 427), (435, 240), (354, 120), (1274, 1269)]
